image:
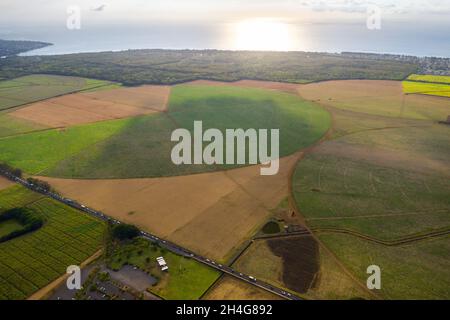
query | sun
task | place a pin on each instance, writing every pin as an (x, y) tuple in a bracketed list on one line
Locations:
[(262, 34)]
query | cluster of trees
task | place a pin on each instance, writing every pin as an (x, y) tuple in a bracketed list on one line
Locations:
[(39, 183), (135, 67), (125, 231), (11, 170), (27, 217)]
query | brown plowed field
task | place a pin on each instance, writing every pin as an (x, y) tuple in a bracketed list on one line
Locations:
[(81, 108), (211, 213)]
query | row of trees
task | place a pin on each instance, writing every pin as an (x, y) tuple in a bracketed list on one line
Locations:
[(11, 170)]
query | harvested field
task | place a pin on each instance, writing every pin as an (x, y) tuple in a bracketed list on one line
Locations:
[(96, 106), (210, 213), (5, 183), (384, 98), (228, 288), (148, 96), (269, 85)]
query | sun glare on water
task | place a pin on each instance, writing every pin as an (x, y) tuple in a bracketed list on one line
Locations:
[(262, 34)]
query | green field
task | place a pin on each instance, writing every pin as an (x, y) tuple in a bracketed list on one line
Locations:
[(32, 88), (185, 280), (385, 179), (433, 89), (141, 146), (30, 262), (37, 152), (10, 126), (416, 271), (8, 226), (429, 78)]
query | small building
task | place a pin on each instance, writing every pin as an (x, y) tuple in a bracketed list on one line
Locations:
[(162, 264)]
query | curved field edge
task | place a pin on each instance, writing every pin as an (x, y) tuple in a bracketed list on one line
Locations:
[(141, 147), (384, 183)]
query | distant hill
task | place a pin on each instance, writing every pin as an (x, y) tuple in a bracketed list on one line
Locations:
[(13, 47)]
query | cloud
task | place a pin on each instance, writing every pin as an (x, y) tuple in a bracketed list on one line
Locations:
[(388, 6), (99, 8)]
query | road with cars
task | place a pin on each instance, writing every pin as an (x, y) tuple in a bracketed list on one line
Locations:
[(162, 242)]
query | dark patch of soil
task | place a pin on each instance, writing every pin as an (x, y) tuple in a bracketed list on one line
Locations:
[(300, 261)]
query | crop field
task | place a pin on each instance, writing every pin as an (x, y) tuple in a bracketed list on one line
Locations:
[(290, 262), (39, 151), (416, 271), (32, 88), (10, 126), (141, 147), (382, 98), (298, 264), (217, 107), (30, 262), (186, 278), (9, 226), (268, 85), (427, 88), (80, 108), (386, 183), (211, 213), (429, 78), (229, 288), (377, 192), (193, 210)]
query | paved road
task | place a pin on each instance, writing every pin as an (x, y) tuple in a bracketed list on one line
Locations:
[(162, 242)]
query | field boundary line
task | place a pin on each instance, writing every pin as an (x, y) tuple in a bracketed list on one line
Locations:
[(397, 214), (389, 243), (293, 205)]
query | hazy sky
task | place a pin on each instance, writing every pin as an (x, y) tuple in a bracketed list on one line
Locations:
[(47, 12)]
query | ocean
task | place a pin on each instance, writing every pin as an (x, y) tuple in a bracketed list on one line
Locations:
[(393, 37)]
